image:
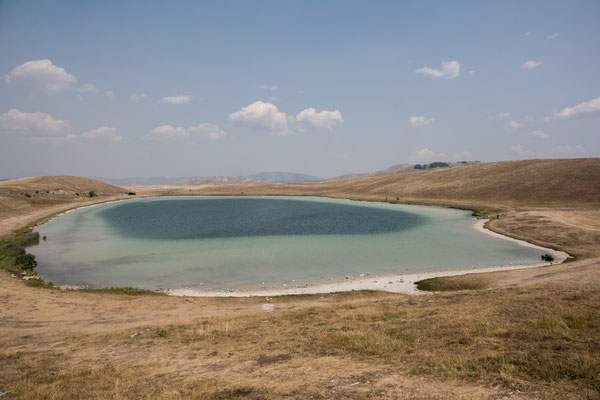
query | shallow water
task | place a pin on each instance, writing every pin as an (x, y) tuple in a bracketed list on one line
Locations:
[(243, 242)]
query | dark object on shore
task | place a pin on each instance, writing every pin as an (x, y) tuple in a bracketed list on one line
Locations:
[(547, 257), (44, 237), (91, 193), (131, 194)]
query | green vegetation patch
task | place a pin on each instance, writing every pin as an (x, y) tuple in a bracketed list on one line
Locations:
[(447, 284), (122, 290)]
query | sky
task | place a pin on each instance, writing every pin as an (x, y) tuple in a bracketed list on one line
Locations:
[(121, 89)]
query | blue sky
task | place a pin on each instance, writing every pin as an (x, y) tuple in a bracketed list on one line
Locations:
[(186, 88)]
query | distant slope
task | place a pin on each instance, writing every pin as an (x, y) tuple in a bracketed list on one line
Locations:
[(59, 184), (524, 182), (284, 177), (215, 180), (24, 200), (150, 180), (405, 168)]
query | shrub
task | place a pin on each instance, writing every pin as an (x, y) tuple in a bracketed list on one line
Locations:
[(26, 239), (161, 333), (438, 164), (25, 261), (547, 257), (11, 250), (91, 193)]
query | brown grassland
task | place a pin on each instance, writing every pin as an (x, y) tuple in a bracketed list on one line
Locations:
[(522, 334)]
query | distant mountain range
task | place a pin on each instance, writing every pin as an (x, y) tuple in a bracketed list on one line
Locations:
[(214, 180), (284, 177), (279, 177)]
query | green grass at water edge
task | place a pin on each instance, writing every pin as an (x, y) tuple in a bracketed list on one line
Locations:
[(443, 284)]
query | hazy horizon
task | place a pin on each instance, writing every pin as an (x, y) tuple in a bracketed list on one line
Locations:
[(182, 89)]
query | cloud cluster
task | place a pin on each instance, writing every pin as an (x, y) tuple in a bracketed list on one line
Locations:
[(211, 130), (52, 130), (36, 122), (170, 132), (420, 121), (272, 88), (175, 100), (513, 125), (501, 115), (47, 76), (450, 70), (540, 134), (587, 107), (262, 115), (43, 72), (531, 64), (520, 150), (104, 133), (320, 119)]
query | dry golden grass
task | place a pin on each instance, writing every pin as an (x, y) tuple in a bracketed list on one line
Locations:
[(532, 334), (23, 201)]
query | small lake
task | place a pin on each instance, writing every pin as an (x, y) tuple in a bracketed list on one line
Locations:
[(248, 242)]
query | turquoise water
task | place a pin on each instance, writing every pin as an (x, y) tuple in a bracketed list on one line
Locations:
[(243, 242)]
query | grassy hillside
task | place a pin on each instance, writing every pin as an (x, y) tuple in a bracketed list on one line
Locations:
[(25, 200), (56, 183), (509, 183)]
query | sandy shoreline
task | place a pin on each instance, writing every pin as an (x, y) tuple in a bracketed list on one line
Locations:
[(395, 283)]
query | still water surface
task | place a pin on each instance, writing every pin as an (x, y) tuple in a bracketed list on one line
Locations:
[(241, 242)]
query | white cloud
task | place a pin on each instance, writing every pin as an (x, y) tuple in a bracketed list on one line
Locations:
[(271, 88), (587, 107), (109, 93), (553, 36), (87, 88), (106, 133), (175, 100), (512, 125), (267, 116), (426, 154), (520, 150), (263, 115), (17, 120), (420, 121), (103, 133), (540, 134), (321, 119), (168, 131), (138, 96), (471, 73), (211, 130), (569, 150), (41, 72), (531, 64), (450, 70), (501, 115)]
